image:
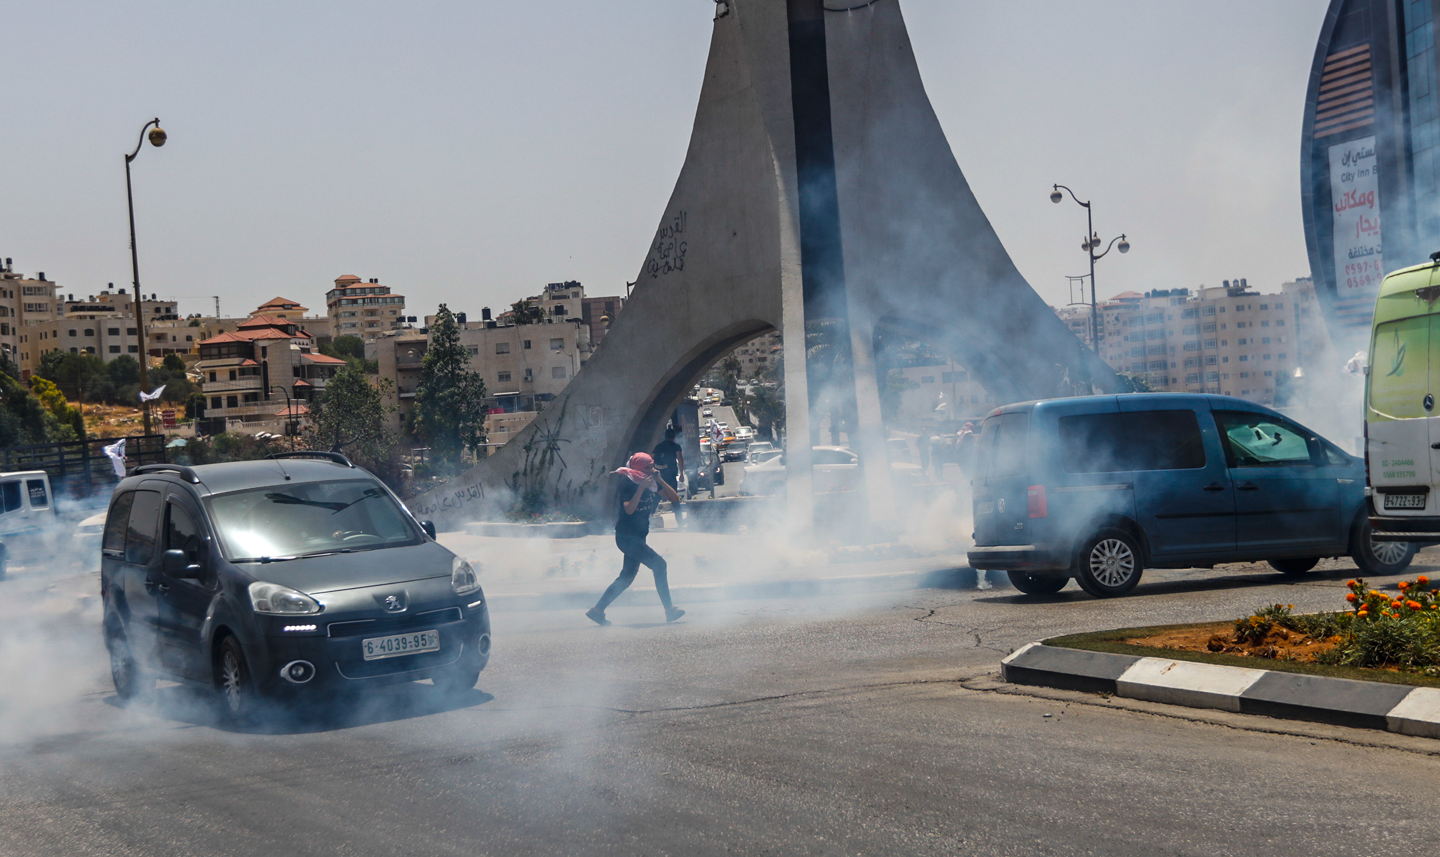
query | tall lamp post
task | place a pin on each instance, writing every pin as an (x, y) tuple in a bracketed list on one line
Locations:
[(157, 139), (1091, 242), (290, 415)]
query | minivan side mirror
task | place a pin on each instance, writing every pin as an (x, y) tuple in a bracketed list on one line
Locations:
[(429, 528), (175, 564)]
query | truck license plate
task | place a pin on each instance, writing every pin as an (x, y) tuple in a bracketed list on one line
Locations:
[(1404, 501)]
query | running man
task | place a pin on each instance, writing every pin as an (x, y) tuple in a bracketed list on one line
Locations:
[(638, 500)]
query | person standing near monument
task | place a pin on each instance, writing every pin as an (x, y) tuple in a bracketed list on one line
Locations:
[(669, 464), (638, 499)]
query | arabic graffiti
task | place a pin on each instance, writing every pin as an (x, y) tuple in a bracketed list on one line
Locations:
[(667, 254)]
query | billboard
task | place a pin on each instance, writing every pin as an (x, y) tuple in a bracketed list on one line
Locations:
[(1355, 217)]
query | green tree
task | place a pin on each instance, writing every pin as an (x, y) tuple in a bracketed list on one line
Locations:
[(350, 418), (195, 406), (51, 397), (449, 413), (174, 363), (351, 349), (525, 312)]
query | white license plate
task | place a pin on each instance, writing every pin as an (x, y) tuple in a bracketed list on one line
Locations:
[(1404, 501), (394, 646)]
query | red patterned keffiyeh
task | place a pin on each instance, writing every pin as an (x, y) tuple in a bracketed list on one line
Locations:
[(637, 469)]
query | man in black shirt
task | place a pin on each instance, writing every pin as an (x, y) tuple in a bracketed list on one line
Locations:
[(670, 463), (638, 499)]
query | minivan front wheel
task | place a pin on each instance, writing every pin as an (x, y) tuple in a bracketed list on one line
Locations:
[(232, 678), (1109, 564), (1379, 558)]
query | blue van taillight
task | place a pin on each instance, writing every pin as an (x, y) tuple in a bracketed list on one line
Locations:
[(1035, 501)]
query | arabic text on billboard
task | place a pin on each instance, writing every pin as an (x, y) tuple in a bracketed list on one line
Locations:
[(1355, 202)]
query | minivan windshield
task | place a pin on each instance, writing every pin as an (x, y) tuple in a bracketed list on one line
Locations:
[(287, 521)]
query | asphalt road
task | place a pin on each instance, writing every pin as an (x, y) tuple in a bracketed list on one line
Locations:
[(821, 726)]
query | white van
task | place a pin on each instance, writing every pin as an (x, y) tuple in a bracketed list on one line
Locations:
[(1402, 427), (28, 522)]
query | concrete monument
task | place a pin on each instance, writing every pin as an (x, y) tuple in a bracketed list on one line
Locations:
[(818, 185)]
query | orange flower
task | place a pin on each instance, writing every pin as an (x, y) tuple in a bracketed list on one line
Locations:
[(1364, 611), (1350, 582), (1352, 597), (1413, 605), (1395, 604), (1423, 580), (1404, 585)]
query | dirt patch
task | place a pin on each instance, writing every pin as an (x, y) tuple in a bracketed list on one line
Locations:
[(1219, 638)]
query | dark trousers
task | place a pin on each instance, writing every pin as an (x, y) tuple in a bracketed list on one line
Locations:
[(637, 552)]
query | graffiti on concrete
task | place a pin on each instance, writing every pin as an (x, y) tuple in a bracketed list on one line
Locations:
[(667, 254)]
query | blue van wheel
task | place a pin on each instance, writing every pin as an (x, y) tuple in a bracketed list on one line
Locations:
[(1109, 564), (1030, 584)]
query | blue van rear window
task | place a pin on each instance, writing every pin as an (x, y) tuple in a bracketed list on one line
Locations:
[(1001, 450), (1138, 440)]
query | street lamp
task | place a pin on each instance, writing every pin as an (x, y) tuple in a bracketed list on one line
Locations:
[(1089, 245), (157, 137), (290, 416)]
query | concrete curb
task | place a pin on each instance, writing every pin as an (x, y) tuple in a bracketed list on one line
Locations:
[(858, 584), (1289, 696)]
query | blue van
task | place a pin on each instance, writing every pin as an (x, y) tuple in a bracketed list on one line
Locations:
[(1100, 487)]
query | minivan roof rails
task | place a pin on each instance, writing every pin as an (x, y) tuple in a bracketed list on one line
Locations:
[(190, 475), (314, 453)]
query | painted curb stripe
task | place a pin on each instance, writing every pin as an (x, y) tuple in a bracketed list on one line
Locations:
[(1187, 683), (1338, 701), (1069, 669), (1417, 714), (1288, 696)]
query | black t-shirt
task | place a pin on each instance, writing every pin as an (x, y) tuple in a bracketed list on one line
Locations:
[(637, 524), (666, 457)]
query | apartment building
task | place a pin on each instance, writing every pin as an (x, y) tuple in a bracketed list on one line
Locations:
[(523, 365), (759, 354), (365, 309), (104, 325), (253, 378), (318, 326), (943, 392), (1227, 339), (27, 304)]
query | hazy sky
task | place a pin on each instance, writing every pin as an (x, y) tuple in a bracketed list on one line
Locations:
[(471, 152)]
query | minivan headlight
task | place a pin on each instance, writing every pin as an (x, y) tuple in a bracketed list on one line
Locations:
[(281, 600), (462, 577)]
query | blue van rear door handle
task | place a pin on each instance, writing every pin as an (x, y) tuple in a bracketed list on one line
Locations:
[(1214, 486), (1248, 486)]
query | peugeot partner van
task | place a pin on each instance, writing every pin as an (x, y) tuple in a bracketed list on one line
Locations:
[(299, 576), (1402, 428), (1100, 487)]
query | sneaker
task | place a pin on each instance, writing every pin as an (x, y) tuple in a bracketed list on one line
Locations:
[(597, 616), (673, 613)]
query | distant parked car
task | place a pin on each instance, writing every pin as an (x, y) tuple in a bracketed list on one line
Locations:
[(87, 541), (760, 451), (745, 433), (835, 468), (707, 413)]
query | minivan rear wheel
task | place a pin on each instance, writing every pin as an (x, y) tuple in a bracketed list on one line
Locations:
[(1379, 558), (1293, 565), (1109, 564), (1031, 584)]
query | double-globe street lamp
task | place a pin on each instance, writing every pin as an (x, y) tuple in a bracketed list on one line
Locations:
[(1091, 242), (157, 138)]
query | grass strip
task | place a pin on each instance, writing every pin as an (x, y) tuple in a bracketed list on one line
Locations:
[(1113, 642)]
